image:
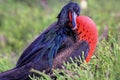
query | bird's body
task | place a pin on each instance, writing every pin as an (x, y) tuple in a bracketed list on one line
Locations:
[(68, 37), (47, 45)]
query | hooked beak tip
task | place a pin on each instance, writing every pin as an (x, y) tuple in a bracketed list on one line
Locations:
[(73, 16), (74, 21)]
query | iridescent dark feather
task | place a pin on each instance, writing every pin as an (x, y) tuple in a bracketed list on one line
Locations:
[(46, 46), (51, 48), (21, 73)]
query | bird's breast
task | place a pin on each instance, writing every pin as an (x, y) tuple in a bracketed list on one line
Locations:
[(87, 31)]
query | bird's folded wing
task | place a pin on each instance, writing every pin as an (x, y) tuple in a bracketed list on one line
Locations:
[(63, 55), (45, 46)]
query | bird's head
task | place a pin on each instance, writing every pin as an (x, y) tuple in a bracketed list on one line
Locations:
[(68, 15)]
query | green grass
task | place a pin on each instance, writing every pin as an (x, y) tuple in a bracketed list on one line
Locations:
[(21, 21)]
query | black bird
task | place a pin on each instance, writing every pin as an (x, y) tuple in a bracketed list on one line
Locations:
[(47, 45), (51, 48)]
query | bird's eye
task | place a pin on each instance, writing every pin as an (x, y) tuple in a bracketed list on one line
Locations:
[(76, 8)]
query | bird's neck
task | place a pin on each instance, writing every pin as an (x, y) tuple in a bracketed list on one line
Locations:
[(62, 22), (65, 27)]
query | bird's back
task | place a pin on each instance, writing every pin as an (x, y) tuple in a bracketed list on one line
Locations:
[(46, 45)]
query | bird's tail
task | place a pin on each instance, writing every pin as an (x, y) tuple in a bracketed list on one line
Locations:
[(16, 74), (23, 72)]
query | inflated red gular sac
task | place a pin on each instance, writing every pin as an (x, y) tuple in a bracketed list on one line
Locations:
[(68, 37), (85, 41), (87, 31)]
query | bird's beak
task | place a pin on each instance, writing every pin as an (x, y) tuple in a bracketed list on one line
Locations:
[(72, 18)]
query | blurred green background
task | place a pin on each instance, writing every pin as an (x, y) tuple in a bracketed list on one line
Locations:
[(22, 20)]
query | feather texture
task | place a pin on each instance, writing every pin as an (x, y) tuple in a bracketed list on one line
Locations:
[(46, 45), (74, 50), (56, 45), (50, 41)]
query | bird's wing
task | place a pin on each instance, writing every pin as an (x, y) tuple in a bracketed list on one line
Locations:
[(22, 73), (34, 43), (46, 45)]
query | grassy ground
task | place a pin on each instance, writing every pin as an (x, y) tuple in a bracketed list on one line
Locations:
[(21, 21)]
